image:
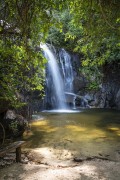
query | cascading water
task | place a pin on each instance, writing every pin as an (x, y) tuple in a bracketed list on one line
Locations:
[(67, 71), (55, 97), (59, 93)]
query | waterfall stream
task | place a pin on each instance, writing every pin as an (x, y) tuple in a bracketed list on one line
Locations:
[(67, 71), (59, 90), (55, 96)]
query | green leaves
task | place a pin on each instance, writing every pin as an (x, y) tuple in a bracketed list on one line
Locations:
[(90, 28), (23, 25)]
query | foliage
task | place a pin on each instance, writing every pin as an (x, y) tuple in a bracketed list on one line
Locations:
[(23, 24), (92, 29), (13, 126), (20, 71), (93, 75), (65, 34), (99, 21)]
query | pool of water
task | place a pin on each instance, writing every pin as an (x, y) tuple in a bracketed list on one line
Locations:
[(88, 132)]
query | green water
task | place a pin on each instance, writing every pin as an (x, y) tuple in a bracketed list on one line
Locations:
[(88, 132)]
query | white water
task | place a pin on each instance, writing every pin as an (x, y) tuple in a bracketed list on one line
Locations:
[(65, 60), (63, 111), (56, 77)]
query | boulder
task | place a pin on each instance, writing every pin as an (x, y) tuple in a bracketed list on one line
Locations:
[(14, 124)]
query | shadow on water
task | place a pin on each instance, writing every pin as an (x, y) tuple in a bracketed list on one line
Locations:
[(93, 130)]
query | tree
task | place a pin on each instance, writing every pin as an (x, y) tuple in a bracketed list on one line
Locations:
[(23, 24), (99, 21), (90, 28)]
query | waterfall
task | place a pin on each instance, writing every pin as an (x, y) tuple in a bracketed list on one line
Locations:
[(55, 97), (65, 61)]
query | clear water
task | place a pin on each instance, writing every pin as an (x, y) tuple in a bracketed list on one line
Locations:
[(93, 131)]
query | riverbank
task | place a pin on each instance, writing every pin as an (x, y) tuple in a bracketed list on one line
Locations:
[(80, 146), (52, 164)]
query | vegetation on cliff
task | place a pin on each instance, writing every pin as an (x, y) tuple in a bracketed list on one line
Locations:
[(92, 29)]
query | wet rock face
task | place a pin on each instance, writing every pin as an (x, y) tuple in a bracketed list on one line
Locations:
[(111, 86), (79, 83), (108, 96)]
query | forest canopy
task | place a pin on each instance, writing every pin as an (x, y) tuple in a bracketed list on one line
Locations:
[(23, 24), (90, 27)]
